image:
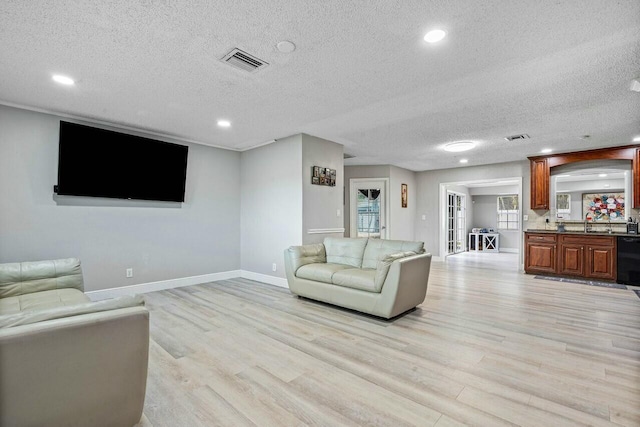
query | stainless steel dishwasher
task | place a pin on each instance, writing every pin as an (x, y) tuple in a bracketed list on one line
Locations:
[(629, 260)]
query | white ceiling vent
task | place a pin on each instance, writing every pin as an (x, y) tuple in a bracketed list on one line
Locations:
[(241, 59), (517, 137)]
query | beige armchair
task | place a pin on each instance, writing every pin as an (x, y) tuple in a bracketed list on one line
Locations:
[(64, 360)]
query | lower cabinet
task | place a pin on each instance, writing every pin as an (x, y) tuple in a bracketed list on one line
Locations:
[(576, 255), (601, 262), (572, 259), (540, 253)]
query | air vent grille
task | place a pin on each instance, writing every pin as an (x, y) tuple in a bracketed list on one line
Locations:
[(517, 137), (244, 61)]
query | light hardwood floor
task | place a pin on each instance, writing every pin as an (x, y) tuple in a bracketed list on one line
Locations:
[(488, 347)]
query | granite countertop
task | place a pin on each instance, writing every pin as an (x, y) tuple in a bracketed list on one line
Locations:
[(582, 233)]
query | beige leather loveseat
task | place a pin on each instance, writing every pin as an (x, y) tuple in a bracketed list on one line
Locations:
[(66, 361), (380, 277)]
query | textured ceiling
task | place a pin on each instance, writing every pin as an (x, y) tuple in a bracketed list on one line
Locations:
[(361, 74)]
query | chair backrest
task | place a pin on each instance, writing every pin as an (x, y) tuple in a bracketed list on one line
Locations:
[(21, 278)]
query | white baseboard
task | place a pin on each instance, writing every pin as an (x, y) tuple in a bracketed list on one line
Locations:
[(264, 278), (161, 285), (143, 288), (510, 250)]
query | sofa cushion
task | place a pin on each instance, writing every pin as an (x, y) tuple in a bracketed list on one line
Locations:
[(42, 300), (357, 278), (27, 277), (345, 250), (307, 254), (40, 315), (320, 272), (377, 249)]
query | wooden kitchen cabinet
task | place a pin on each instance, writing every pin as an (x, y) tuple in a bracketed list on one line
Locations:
[(540, 176), (540, 253), (601, 262), (587, 256), (541, 167), (572, 260), (578, 255)]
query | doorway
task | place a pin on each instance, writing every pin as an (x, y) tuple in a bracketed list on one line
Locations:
[(481, 210), (368, 208)]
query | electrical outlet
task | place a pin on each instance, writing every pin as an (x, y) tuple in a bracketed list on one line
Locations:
[(274, 267), (424, 217), (129, 272), (525, 217), (338, 212)]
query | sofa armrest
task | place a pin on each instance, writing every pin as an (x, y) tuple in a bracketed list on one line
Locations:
[(305, 254), (20, 278), (75, 370), (406, 284)]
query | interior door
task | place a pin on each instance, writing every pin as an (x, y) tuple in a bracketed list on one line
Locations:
[(368, 208), (456, 228)]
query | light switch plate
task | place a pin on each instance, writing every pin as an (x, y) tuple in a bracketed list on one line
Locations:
[(525, 217)]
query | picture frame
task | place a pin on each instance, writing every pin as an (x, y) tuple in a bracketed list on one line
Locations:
[(323, 176), (604, 206), (404, 195)]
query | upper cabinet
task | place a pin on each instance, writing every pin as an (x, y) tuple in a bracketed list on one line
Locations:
[(541, 167), (540, 176)]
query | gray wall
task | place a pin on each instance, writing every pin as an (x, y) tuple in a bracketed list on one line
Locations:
[(271, 204), (428, 184), (485, 216), (402, 220), (321, 203), (159, 241)]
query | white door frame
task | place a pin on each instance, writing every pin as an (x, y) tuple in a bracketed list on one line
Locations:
[(353, 217)]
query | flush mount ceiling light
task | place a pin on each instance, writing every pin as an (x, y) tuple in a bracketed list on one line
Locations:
[(464, 161), (546, 150), (458, 146), (636, 139), (602, 175), (434, 36), (63, 80), (224, 123), (286, 46)]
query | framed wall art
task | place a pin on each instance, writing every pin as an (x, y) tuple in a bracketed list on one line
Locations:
[(323, 176), (403, 195), (603, 206)]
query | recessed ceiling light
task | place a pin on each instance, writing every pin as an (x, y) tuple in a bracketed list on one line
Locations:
[(602, 175), (606, 185), (434, 36), (224, 123), (63, 80), (464, 161), (546, 150), (286, 46), (636, 139), (563, 176), (459, 146)]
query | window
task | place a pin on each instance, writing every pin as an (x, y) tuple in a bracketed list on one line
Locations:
[(508, 213), (563, 203)]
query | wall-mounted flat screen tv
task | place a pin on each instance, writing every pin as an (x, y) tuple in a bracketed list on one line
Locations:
[(102, 163)]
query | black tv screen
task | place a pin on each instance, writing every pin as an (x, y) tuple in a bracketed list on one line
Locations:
[(102, 163)]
